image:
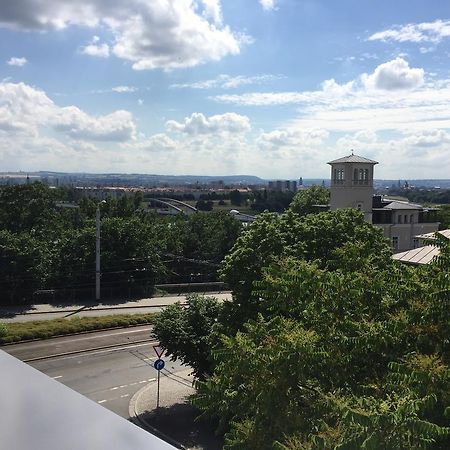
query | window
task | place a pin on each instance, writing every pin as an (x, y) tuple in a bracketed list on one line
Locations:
[(361, 176), (338, 176), (399, 218), (411, 218), (395, 242)]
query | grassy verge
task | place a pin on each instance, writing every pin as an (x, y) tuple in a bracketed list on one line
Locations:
[(44, 329)]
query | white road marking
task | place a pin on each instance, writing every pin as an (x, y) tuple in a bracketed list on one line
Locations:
[(93, 336), (114, 388), (102, 401), (125, 395), (55, 378), (97, 352)]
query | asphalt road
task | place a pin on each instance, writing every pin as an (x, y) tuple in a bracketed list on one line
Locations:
[(109, 377)]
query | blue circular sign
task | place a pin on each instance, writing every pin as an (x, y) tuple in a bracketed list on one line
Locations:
[(159, 364)]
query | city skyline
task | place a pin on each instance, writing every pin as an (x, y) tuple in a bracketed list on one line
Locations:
[(269, 88)]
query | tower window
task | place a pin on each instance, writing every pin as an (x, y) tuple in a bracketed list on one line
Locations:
[(338, 176)]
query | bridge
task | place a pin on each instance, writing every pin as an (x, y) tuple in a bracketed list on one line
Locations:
[(170, 206)]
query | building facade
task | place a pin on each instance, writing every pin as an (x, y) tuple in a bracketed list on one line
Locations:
[(352, 187)]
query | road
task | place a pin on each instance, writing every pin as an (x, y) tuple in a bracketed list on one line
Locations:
[(47, 311), (110, 376)]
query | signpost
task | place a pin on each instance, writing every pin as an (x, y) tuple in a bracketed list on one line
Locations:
[(158, 365)]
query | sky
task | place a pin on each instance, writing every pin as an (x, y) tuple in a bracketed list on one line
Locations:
[(273, 88)]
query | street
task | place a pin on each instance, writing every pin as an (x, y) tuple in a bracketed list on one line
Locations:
[(108, 376)]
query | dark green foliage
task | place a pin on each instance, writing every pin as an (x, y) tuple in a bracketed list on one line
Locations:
[(335, 240), (329, 343), (444, 217), (306, 201), (47, 252), (185, 332), (236, 198)]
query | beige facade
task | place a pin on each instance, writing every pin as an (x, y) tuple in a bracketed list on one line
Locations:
[(352, 184), (352, 187)]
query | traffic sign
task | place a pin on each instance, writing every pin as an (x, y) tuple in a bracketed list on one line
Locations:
[(158, 350), (159, 364)]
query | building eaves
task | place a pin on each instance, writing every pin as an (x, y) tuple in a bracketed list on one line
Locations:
[(353, 159)]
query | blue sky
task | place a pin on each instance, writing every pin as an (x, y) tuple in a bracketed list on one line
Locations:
[(274, 88)]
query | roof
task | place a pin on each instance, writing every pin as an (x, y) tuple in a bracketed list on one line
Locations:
[(445, 233), (43, 414), (402, 205), (353, 159), (421, 255)]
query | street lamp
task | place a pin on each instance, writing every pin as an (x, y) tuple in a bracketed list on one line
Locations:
[(97, 251)]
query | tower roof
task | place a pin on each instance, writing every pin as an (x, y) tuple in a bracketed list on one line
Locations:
[(353, 159)]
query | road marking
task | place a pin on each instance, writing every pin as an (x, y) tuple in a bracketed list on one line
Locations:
[(114, 388), (108, 335), (102, 401), (125, 395), (55, 378), (96, 352)]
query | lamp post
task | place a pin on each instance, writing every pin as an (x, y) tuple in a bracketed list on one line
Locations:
[(97, 251)]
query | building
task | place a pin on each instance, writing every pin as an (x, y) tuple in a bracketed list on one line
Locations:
[(423, 254), (352, 187), (283, 185)]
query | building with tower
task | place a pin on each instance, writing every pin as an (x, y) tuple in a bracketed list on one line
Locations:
[(402, 222), (352, 184)]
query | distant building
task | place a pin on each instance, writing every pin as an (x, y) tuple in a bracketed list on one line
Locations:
[(401, 222), (283, 185)]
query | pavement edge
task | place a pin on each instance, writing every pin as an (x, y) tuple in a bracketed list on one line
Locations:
[(140, 421)]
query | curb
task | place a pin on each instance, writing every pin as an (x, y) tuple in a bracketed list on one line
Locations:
[(25, 341), (91, 309), (138, 420), (77, 352)]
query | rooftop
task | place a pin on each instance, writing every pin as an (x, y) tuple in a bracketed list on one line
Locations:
[(421, 255), (353, 159)]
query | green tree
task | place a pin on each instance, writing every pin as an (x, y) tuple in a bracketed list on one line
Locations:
[(306, 201), (186, 332)]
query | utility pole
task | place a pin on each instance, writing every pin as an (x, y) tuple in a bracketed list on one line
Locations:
[(97, 253)]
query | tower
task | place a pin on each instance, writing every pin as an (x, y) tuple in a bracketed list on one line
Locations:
[(352, 184)]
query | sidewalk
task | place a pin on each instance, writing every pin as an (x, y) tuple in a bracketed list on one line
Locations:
[(115, 308), (175, 420)]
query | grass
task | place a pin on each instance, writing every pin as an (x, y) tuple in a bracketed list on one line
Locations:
[(44, 329)]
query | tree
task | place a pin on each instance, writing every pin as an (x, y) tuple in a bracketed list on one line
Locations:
[(306, 200), (235, 197), (186, 332), (314, 237)]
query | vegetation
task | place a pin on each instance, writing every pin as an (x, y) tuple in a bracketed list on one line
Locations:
[(47, 252), (44, 329), (328, 342)]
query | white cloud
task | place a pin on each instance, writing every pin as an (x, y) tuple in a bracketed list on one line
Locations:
[(101, 51), (151, 34), (224, 81), (268, 5), (117, 126), (213, 10), (30, 112), (395, 75), (124, 89), (14, 61), (198, 124), (291, 137), (415, 32)]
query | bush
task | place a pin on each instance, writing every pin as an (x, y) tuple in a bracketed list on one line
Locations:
[(3, 330)]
